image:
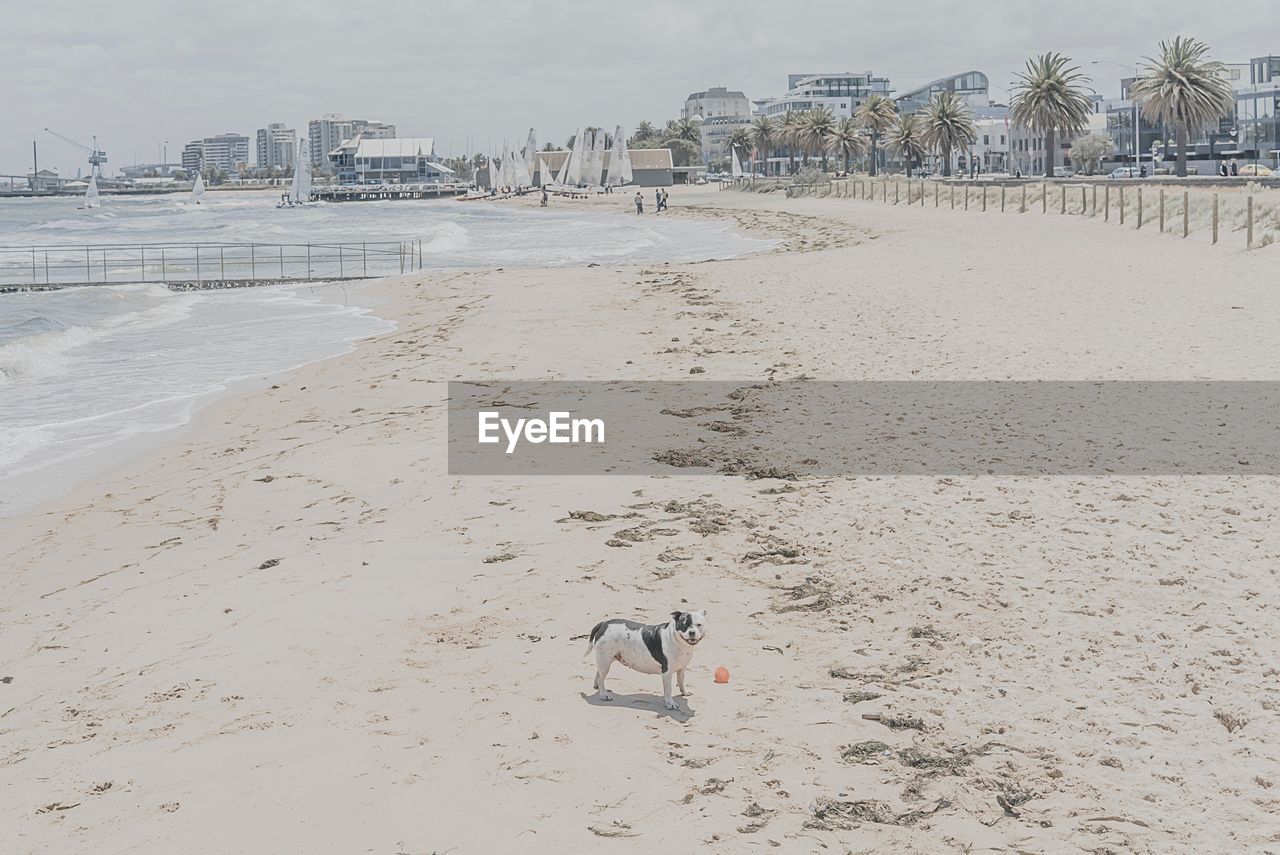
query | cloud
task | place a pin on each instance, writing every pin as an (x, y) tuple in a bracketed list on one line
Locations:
[(138, 72)]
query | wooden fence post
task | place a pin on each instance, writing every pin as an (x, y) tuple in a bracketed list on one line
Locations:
[(1002, 189), (984, 197), (1095, 200), (1139, 207), (1122, 206), (896, 186), (1064, 200), (1161, 210), (1023, 210), (966, 197), (1084, 199), (1248, 240), (1106, 203), (1044, 197), (953, 197), (1215, 217), (1186, 217)]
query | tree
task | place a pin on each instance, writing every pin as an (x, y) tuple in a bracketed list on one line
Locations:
[(1087, 152), (789, 136), (877, 114), (1049, 98), (644, 132), (819, 125), (1183, 89), (738, 144), (847, 141), (948, 126), (763, 138), (909, 139), (683, 152), (684, 129)]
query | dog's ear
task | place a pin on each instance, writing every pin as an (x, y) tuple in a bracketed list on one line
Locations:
[(675, 616)]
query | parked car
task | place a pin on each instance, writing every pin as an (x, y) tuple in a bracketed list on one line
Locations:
[(1063, 172), (1124, 172), (1256, 169)]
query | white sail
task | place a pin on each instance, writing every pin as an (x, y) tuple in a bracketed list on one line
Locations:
[(91, 193), (531, 153), (619, 160), (197, 189), (495, 173), (545, 174), (597, 158), (737, 164), (523, 170), (563, 177), (300, 190), (575, 159)]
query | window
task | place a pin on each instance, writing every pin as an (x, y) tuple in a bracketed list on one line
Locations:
[(986, 140)]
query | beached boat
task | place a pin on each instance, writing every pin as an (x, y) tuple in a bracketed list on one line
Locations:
[(620, 160)]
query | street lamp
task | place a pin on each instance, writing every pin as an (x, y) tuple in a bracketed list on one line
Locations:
[(1136, 127)]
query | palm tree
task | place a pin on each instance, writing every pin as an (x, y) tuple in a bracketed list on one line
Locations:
[(908, 137), (683, 129), (1049, 98), (763, 137), (877, 114), (819, 125), (847, 141), (789, 136), (738, 144), (1183, 89), (948, 126), (644, 131)]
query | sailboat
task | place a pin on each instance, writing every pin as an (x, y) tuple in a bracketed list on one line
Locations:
[(91, 194), (300, 189), (619, 160), (737, 164), (531, 153), (197, 190)]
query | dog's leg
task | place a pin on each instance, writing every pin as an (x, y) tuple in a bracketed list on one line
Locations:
[(680, 682), (602, 671), (666, 691)]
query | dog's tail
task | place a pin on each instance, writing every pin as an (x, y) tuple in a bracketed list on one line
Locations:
[(596, 632)]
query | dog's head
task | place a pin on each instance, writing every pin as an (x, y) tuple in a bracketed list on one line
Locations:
[(690, 626)]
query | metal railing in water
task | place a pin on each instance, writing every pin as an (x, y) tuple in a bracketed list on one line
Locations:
[(202, 265)]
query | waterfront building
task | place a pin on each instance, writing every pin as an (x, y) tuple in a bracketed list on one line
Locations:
[(719, 111), (971, 86), (193, 157), (842, 94), (226, 153), (388, 161), (276, 146)]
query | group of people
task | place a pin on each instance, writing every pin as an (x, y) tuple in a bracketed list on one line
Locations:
[(1225, 169), (660, 200)]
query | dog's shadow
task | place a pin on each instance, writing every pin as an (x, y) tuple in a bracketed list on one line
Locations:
[(644, 702)]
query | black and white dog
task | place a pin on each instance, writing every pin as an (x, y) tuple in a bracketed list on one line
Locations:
[(663, 648)]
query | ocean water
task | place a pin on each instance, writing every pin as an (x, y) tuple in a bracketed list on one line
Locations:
[(89, 374)]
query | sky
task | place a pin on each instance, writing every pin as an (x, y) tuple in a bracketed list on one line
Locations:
[(136, 73)]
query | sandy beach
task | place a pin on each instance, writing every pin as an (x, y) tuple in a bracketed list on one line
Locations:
[(290, 630)]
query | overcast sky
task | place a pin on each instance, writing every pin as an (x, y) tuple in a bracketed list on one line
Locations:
[(139, 72)]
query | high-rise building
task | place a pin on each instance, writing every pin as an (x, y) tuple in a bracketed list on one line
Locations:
[(839, 93), (331, 130), (276, 146), (193, 157), (224, 152)]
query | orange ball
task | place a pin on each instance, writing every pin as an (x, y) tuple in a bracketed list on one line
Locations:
[(722, 674)]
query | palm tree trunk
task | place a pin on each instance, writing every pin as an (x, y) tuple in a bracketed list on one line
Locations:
[(1180, 137), (873, 155), (946, 161), (1048, 153)]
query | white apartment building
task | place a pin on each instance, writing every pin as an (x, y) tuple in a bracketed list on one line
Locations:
[(276, 146), (227, 153), (331, 130), (720, 111), (840, 93)]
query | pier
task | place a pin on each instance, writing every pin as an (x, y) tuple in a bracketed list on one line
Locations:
[(202, 266), (372, 192)]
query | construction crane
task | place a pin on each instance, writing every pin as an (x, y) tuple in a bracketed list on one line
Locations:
[(97, 156)]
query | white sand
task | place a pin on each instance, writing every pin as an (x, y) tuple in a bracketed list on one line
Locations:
[(383, 689)]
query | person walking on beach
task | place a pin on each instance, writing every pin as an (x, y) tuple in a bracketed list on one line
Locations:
[(544, 197), (639, 203), (657, 200), (664, 199)]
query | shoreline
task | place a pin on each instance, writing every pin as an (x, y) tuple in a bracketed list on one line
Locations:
[(295, 611)]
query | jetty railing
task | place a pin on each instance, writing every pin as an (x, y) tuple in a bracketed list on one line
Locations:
[(187, 266)]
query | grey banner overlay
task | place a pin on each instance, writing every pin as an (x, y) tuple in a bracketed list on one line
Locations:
[(797, 428)]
